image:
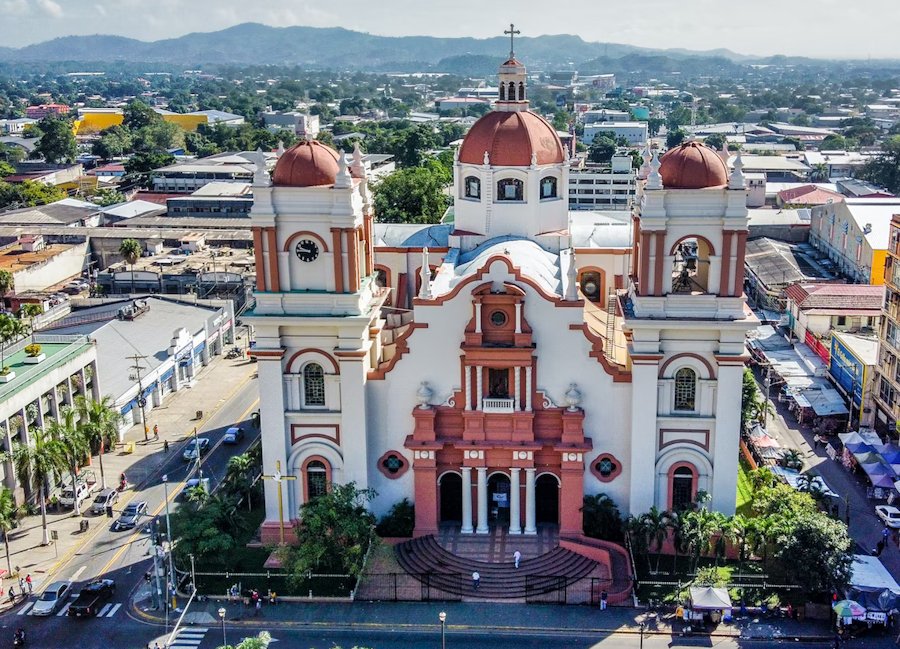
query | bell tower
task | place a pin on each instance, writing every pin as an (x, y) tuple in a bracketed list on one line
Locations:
[(512, 79)]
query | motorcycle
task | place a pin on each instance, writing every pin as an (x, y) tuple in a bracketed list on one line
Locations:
[(234, 352), (19, 638)]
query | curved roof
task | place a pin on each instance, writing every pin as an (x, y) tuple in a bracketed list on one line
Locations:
[(510, 138), (692, 165), (534, 261), (306, 164)]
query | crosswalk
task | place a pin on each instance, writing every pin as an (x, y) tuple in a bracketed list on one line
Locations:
[(108, 610), (189, 638)]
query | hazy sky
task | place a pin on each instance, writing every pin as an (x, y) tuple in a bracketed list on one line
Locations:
[(821, 28)]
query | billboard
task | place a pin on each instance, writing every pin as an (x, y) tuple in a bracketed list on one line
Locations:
[(846, 370)]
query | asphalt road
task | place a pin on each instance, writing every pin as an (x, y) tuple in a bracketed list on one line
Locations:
[(124, 555)]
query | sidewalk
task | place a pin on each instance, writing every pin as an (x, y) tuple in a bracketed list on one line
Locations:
[(483, 616), (214, 386)]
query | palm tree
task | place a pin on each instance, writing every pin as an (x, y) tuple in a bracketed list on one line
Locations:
[(100, 425), (6, 282), (31, 311), (72, 443), (7, 520), (724, 533), (131, 250), (35, 464), (819, 173), (792, 459), (636, 528), (238, 476), (656, 527), (11, 329)]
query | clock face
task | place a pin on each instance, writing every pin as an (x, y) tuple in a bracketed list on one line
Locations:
[(306, 250)]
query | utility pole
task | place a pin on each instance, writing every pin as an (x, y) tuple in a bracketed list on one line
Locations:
[(199, 458), (157, 591), (142, 402), (171, 581)]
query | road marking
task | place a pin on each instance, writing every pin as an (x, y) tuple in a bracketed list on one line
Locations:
[(25, 609), (186, 642), (78, 573), (103, 610), (113, 610), (64, 610)]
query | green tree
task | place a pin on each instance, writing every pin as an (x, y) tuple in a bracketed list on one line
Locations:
[(833, 143), (31, 311), (106, 197), (6, 169), (675, 137), (11, 330), (602, 149), (7, 520), (240, 474), (399, 521), (884, 169), (137, 115), (414, 195), (208, 529), (131, 251), (28, 194), (114, 142), (601, 518), (815, 552), (260, 641), (6, 282), (35, 465), (715, 141), (334, 532), (99, 422), (656, 525), (73, 445), (158, 137), (654, 124), (819, 173), (57, 143)]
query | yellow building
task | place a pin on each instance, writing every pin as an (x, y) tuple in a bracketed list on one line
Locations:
[(93, 120)]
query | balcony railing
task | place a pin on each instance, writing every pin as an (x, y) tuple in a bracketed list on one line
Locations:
[(493, 404)]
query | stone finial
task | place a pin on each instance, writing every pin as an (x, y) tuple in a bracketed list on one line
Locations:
[(736, 180), (573, 397), (533, 159), (343, 178), (654, 179), (571, 278), (487, 159), (357, 168), (645, 168), (425, 276), (260, 174), (423, 395), (280, 150), (724, 153)]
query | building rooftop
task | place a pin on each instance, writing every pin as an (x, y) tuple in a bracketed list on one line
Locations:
[(875, 213), (130, 209), (15, 258), (809, 195), (597, 229), (57, 353), (827, 297), (777, 263), (64, 212), (865, 348)]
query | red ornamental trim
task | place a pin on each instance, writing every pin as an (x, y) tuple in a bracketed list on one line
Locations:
[(617, 467), (404, 466)]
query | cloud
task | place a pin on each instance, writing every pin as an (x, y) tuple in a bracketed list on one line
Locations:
[(14, 7), (100, 9), (50, 8)]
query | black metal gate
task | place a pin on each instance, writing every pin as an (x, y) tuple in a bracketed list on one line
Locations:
[(545, 589)]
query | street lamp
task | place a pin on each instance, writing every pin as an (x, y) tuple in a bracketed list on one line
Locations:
[(222, 617), (642, 635), (443, 618)]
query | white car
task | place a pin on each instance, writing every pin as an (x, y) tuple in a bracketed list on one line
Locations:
[(68, 496), (195, 448), (52, 598), (889, 515)]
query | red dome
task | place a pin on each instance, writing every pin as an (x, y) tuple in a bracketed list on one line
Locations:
[(510, 137), (306, 164), (692, 166)]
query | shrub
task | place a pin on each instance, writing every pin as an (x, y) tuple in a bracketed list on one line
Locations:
[(34, 349), (601, 518), (5, 370), (400, 521)]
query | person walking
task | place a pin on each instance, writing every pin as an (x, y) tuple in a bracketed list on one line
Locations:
[(155, 432), (517, 557), (165, 446), (603, 597), (258, 607), (22, 585), (28, 583), (476, 580)]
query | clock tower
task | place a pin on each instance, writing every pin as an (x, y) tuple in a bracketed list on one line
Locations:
[(317, 306)]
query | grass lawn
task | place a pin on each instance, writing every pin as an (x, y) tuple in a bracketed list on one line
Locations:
[(744, 489)]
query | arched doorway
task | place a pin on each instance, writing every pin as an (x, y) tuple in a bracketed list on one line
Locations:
[(451, 498), (546, 496), (682, 489), (498, 499)]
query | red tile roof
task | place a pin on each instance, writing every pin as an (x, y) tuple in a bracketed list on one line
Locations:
[(809, 195), (826, 298)]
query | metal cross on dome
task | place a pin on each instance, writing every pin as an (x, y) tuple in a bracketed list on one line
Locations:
[(512, 31)]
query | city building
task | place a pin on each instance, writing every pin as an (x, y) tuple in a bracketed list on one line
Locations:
[(42, 110), (852, 367), (605, 115), (854, 234), (36, 265), (187, 177), (542, 358), (150, 347), (461, 103), (68, 212), (215, 199), (887, 386), (602, 187), (635, 133), (301, 124)]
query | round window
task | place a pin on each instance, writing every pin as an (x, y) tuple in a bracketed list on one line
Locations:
[(606, 467), (498, 318), (392, 464)]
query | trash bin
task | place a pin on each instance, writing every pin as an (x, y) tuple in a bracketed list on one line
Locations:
[(199, 414), (84, 525)]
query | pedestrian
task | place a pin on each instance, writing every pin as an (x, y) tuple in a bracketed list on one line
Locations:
[(476, 580), (12, 593), (21, 585), (603, 597), (272, 597), (885, 533), (517, 557), (28, 582), (258, 607), (155, 432), (165, 446), (879, 548)]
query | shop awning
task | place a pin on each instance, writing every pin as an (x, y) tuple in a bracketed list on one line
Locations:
[(872, 585), (708, 598)]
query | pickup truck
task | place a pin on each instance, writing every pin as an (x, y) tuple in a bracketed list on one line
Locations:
[(82, 492), (88, 602)]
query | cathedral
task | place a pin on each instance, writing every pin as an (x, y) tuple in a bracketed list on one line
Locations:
[(496, 368)]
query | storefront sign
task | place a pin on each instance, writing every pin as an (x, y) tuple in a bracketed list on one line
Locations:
[(847, 370)]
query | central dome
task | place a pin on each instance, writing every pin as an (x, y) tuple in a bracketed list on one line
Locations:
[(306, 164), (510, 138), (692, 166)]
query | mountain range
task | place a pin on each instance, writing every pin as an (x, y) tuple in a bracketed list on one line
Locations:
[(255, 44)]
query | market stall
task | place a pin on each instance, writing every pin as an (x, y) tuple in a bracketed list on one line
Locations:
[(873, 588), (708, 601)]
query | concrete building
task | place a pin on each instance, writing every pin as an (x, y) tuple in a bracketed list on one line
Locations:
[(887, 386), (507, 391), (635, 133), (36, 265), (173, 341), (43, 110), (852, 367), (188, 177), (605, 115), (301, 124), (602, 187)]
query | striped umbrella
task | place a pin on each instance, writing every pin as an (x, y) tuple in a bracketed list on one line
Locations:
[(848, 608)]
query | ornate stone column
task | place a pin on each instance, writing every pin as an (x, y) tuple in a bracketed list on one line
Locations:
[(530, 518), (515, 518), (479, 395), (466, 500), (482, 501), (528, 389)]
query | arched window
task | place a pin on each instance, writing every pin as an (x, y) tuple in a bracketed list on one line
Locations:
[(472, 187), (380, 278), (512, 91), (548, 187), (685, 389), (313, 385), (510, 189), (682, 488), (592, 286), (521, 91), (502, 92), (316, 480)]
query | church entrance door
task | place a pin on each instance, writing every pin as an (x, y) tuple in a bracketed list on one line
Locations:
[(498, 499), (546, 498), (451, 498)]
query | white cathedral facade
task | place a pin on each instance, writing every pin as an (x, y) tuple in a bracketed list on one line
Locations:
[(496, 369)]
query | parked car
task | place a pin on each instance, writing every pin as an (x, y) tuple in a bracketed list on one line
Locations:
[(52, 598), (195, 448), (68, 496), (233, 435), (104, 499), (131, 516), (91, 596), (192, 484), (889, 515)]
